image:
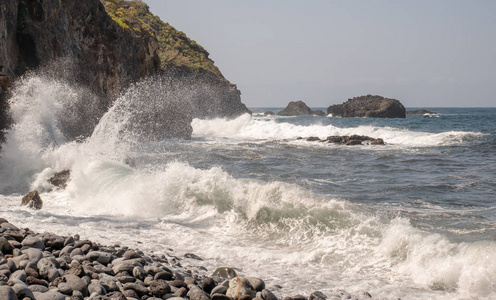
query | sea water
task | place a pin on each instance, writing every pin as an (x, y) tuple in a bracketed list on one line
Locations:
[(415, 218)]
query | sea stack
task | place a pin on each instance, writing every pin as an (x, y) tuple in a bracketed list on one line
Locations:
[(299, 108), (369, 106)]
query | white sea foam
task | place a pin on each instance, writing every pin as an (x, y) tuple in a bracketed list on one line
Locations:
[(249, 128)]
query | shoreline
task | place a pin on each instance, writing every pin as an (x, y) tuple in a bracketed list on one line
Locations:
[(49, 266)]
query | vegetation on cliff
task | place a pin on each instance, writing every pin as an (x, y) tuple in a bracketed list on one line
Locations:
[(175, 48)]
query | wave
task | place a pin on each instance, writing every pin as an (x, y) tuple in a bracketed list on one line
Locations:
[(249, 128)]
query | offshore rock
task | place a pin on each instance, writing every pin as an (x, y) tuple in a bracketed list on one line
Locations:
[(354, 140), (420, 112), (299, 108), (32, 200), (369, 106), (60, 179)]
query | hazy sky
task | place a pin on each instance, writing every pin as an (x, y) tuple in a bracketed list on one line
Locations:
[(423, 52)]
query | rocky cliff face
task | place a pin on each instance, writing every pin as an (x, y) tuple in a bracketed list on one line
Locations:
[(369, 106), (108, 46)]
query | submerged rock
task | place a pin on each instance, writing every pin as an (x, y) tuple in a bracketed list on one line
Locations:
[(370, 106), (33, 200), (349, 140)]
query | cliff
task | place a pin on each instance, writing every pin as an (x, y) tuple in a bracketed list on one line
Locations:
[(109, 44)]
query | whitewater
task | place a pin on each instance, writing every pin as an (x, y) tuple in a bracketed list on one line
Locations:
[(412, 219)]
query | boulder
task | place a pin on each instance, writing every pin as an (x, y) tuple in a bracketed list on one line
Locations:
[(299, 108), (240, 286), (370, 106), (32, 200), (60, 179)]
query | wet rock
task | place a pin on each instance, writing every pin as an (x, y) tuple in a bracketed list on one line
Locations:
[(317, 296), (60, 179), (164, 275), (192, 256), (32, 200), (54, 241), (313, 139), (207, 285), (19, 274), (139, 273), (268, 295), (220, 289), (240, 286), (225, 273)]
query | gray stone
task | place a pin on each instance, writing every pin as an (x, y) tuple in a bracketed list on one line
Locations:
[(8, 226), (268, 295), (50, 295), (38, 288), (19, 274), (65, 288), (109, 283), (7, 293), (197, 294), (66, 250), (77, 251), (220, 289), (139, 273), (33, 242), (77, 284), (46, 267), (96, 287), (257, 283), (34, 254), (240, 286), (207, 285), (126, 279), (22, 291), (127, 266)]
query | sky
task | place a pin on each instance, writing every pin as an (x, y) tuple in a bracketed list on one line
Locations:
[(425, 53)]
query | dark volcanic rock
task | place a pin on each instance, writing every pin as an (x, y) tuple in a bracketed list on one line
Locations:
[(420, 112), (349, 140), (299, 108), (33, 200), (60, 179), (369, 106)]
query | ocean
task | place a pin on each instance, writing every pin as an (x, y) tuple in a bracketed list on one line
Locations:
[(412, 219)]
